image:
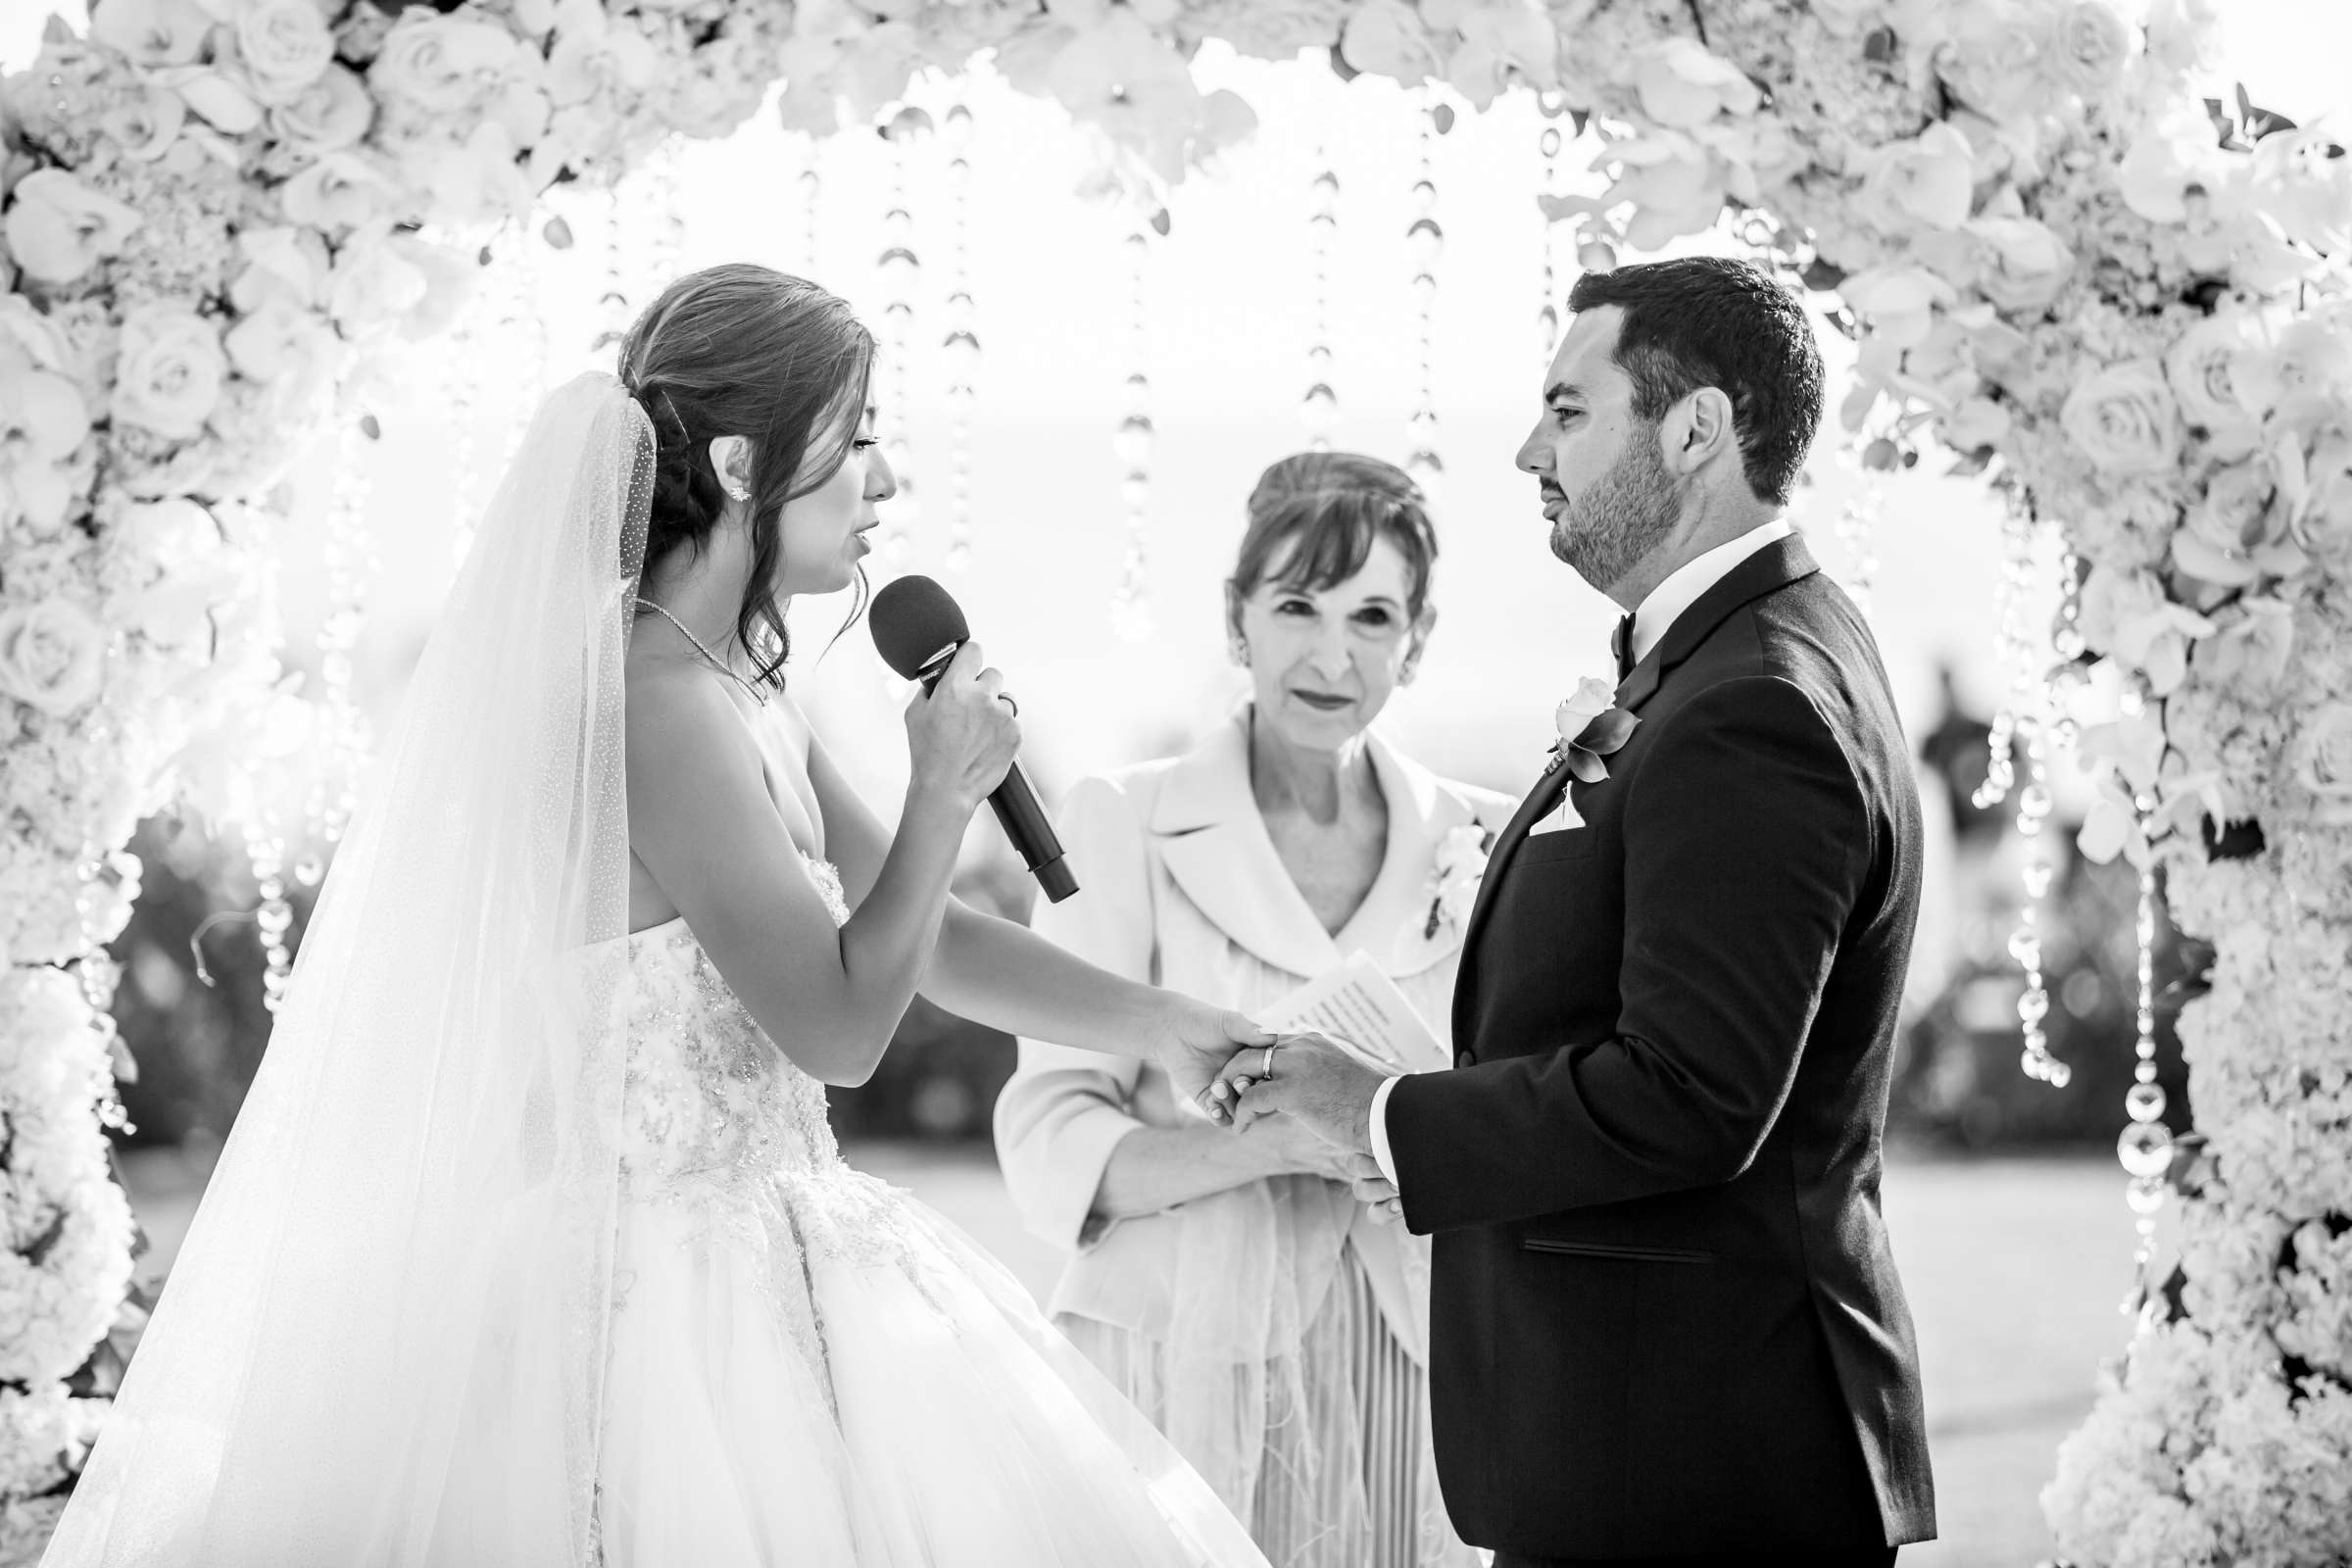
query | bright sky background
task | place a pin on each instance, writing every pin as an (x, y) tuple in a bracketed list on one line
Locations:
[(1229, 307)]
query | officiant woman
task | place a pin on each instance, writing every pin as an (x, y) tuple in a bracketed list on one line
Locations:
[(1230, 1284)]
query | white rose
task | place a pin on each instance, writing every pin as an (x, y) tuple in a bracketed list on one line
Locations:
[(2204, 370), (2128, 615), (286, 347), (1681, 84), (1930, 180), (152, 33), (58, 228), (169, 375), (2090, 47), (2252, 647), (1592, 697), (441, 64), (2324, 761), (1897, 302), (449, 274), (52, 655), (338, 192), (2227, 525), (43, 415), (281, 263), (584, 65), (2024, 262), (147, 123), (1675, 187), (1850, 17), (372, 284), (285, 44), (1385, 39), (2168, 156), (2124, 418), (333, 112), (1977, 424), (1990, 57), (480, 180), (217, 98)]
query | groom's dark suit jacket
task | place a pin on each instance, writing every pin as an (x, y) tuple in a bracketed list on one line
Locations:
[(1664, 1317)]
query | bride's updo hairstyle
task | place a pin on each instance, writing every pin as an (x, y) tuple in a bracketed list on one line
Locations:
[(1320, 511), (745, 350)]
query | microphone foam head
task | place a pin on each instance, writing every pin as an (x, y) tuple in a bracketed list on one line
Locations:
[(914, 619)]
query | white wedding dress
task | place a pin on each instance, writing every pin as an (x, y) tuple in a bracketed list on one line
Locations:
[(528, 1248), (807, 1366)]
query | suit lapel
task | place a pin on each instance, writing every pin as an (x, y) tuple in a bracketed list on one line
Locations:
[(1772, 567), (1540, 800)]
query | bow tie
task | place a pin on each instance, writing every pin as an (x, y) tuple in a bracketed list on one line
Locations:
[(1621, 643)]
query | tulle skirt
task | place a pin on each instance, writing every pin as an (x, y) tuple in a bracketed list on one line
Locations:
[(1341, 1475), (824, 1371)]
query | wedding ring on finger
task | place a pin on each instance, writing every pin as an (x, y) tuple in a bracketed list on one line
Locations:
[(1265, 1069), (1006, 699)]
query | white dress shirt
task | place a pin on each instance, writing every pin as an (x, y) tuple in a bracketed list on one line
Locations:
[(1652, 619)]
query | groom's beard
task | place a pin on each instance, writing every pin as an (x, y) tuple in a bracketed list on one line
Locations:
[(1627, 513)]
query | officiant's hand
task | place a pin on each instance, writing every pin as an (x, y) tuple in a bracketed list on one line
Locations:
[(1313, 1079)]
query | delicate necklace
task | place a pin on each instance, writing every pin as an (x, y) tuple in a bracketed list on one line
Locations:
[(758, 696)]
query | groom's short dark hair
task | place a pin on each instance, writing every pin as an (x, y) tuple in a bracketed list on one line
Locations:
[(1706, 321)]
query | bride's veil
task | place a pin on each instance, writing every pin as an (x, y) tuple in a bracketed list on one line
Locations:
[(384, 1334)]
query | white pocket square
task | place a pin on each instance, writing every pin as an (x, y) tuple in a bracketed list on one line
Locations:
[(1559, 819)]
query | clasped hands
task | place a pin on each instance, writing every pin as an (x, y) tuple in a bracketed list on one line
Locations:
[(1321, 1085)]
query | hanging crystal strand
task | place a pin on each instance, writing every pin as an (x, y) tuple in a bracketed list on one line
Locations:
[(99, 974), (1857, 530), (809, 186), (1547, 312), (1424, 240), (1321, 407), (612, 304), (900, 269), (2025, 944), (1130, 613), (2145, 1147), (960, 348), (2009, 612), (460, 395), (353, 564), (266, 849)]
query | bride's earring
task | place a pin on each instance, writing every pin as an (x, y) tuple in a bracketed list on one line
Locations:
[(1405, 673), (1239, 651)]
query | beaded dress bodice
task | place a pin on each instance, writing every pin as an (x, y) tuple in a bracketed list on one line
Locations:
[(711, 1103)]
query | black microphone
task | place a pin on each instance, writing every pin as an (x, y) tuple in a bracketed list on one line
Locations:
[(917, 628)]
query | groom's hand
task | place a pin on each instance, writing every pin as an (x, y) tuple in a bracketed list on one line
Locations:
[(1316, 1082)]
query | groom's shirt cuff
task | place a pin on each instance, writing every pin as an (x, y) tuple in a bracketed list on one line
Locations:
[(1379, 1131)]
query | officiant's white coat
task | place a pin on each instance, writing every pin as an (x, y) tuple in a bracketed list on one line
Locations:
[(1181, 885)]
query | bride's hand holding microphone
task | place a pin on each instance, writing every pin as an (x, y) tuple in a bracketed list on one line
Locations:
[(962, 735)]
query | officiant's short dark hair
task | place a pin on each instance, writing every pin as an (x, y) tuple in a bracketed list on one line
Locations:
[(1708, 321), (1321, 512)]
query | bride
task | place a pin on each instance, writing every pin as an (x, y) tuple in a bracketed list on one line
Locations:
[(531, 1245)]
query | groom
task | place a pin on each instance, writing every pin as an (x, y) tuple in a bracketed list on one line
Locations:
[(1665, 1320)]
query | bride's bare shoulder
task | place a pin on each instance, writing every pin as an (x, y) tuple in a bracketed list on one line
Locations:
[(679, 716)]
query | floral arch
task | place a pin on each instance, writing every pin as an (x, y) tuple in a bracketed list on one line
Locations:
[(2124, 306)]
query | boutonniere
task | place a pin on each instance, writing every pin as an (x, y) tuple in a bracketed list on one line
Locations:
[(1460, 860), (1591, 727)]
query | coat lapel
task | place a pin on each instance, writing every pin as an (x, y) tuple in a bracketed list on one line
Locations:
[(1392, 923), (1775, 566), (1214, 844)]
